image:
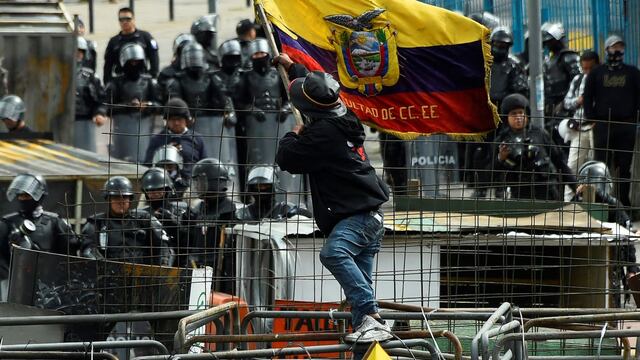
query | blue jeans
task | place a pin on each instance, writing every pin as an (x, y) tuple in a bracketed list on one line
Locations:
[(348, 254)]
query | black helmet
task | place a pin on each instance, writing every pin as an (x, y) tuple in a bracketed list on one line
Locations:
[(192, 55), (514, 101), (177, 107), (131, 51), (33, 185), (157, 179), (204, 30), (117, 186), (501, 34), (209, 178), (597, 174)]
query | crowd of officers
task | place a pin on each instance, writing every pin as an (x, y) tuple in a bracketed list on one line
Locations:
[(219, 104), (591, 111)]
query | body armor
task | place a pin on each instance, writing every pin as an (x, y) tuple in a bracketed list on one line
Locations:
[(559, 70), (229, 84), (507, 77), (137, 237), (197, 93), (89, 93), (123, 90), (52, 234), (265, 90)]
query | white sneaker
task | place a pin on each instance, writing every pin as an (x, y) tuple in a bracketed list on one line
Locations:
[(370, 330)]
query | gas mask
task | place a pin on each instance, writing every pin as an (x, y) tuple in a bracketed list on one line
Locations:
[(195, 72), (132, 70), (231, 63)]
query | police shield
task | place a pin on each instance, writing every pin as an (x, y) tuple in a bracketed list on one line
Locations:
[(264, 129), (220, 143), (433, 161), (131, 134)]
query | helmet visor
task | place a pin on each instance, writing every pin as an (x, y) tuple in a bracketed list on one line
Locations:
[(25, 184)]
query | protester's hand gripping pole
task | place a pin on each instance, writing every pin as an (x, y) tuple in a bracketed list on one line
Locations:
[(268, 31)]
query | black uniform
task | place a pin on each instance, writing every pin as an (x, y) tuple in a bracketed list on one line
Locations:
[(533, 165), (90, 95), (112, 52), (172, 215), (137, 237), (52, 234), (612, 99), (559, 70), (90, 56), (204, 91), (507, 77), (167, 75)]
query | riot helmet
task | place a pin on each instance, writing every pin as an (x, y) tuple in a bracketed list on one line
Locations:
[(12, 108), (204, 30), (230, 55), (118, 186), (596, 173), (501, 41), (169, 158), (82, 44), (192, 57), (486, 18), (260, 55), (209, 178), (180, 41), (131, 52), (552, 31), (261, 179), (157, 179), (30, 184)]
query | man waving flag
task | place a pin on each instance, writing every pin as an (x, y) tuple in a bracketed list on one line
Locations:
[(406, 68)]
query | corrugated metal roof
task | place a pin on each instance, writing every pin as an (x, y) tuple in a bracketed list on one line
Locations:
[(58, 161)]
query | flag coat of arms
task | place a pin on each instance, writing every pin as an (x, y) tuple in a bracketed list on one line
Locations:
[(405, 67)]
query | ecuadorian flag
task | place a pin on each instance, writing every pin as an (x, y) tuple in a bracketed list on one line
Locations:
[(405, 67)]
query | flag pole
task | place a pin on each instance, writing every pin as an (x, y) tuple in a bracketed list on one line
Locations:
[(268, 31)]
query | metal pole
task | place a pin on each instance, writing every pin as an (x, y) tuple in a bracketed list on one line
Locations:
[(517, 12), (536, 77), (132, 5), (171, 14), (266, 26), (91, 16), (213, 6)]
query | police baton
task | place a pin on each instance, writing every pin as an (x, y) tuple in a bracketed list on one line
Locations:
[(268, 31)]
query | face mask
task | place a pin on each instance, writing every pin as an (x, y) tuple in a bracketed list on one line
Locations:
[(194, 72), (262, 64), (28, 206), (614, 59), (230, 64), (499, 53), (133, 71), (156, 204)]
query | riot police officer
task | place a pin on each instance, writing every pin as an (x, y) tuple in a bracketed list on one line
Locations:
[(135, 97), (262, 185), (204, 29), (31, 226), (216, 211), (169, 72), (486, 18), (270, 113), (91, 54), (124, 233), (89, 98), (160, 195), (230, 73), (187, 145), (12, 111), (527, 156), (507, 77), (559, 69), (129, 34), (168, 157)]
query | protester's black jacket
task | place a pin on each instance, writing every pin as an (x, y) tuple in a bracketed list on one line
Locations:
[(331, 151)]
